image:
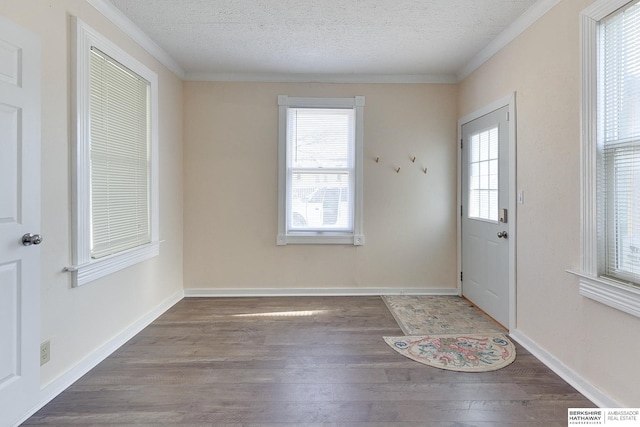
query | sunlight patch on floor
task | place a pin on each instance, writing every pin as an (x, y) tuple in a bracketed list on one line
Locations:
[(301, 313)]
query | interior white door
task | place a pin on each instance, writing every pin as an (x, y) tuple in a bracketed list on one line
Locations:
[(19, 215), (485, 216)]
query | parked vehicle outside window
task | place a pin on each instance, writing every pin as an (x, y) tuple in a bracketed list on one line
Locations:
[(326, 207)]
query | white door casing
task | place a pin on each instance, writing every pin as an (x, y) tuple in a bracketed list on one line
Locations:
[(19, 215), (487, 234)]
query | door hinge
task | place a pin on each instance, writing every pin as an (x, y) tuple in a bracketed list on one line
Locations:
[(461, 144), (460, 210), (461, 276), (507, 116)]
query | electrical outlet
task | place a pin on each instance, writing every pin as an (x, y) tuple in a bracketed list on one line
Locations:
[(45, 352)]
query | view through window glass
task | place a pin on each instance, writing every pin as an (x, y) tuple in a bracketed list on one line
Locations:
[(320, 168)]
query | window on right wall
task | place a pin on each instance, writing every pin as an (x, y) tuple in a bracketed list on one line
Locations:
[(610, 35)]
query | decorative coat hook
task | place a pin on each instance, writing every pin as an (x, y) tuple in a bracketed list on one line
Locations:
[(424, 170), (413, 159), (377, 159), (398, 170)]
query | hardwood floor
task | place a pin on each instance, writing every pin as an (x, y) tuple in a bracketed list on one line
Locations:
[(310, 361)]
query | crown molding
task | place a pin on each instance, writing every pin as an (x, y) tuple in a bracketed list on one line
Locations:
[(322, 78), (114, 15), (528, 18)]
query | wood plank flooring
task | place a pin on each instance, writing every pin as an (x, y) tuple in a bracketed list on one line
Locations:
[(310, 361)]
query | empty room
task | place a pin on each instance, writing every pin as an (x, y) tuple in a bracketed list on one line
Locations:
[(319, 213)]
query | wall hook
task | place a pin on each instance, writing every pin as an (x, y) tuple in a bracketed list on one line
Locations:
[(398, 170), (413, 159), (377, 159), (424, 170)]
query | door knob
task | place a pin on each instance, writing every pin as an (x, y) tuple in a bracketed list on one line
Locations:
[(502, 235), (31, 239)]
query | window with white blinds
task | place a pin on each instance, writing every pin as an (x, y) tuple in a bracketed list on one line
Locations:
[(320, 168), (119, 114), (320, 176), (619, 144), (114, 158)]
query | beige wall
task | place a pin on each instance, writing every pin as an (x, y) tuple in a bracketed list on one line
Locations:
[(542, 66), (230, 186), (79, 320), (231, 140)]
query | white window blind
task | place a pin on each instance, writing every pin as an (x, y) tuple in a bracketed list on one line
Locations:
[(619, 144), (320, 169), (119, 153)]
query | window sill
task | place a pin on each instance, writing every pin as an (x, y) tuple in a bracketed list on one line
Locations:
[(320, 239), (619, 296), (85, 273)]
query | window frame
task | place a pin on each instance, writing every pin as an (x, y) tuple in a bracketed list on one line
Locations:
[(353, 237), (84, 268), (614, 293)]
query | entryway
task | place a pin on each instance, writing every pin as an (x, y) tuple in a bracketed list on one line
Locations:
[(487, 210)]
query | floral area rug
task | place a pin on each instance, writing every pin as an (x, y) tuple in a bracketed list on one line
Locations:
[(438, 314), (448, 332), (458, 352)]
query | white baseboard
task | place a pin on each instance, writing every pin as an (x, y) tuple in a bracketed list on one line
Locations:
[(60, 384), (298, 292), (590, 391)]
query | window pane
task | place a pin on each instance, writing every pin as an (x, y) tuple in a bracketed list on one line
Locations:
[(474, 176), (493, 174), (483, 175), (320, 201), (621, 74), (320, 137), (320, 169), (484, 146), (119, 155), (623, 212), (492, 135), (474, 149), (619, 121)]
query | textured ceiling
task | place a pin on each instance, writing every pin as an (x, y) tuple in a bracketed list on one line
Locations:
[(322, 37)]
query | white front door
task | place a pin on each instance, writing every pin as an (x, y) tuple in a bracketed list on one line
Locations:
[(485, 213), (19, 215)]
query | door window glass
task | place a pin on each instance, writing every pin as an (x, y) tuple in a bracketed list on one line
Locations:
[(483, 175)]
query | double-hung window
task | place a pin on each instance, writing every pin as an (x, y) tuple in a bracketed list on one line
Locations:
[(320, 165), (115, 158), (611, 154)]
